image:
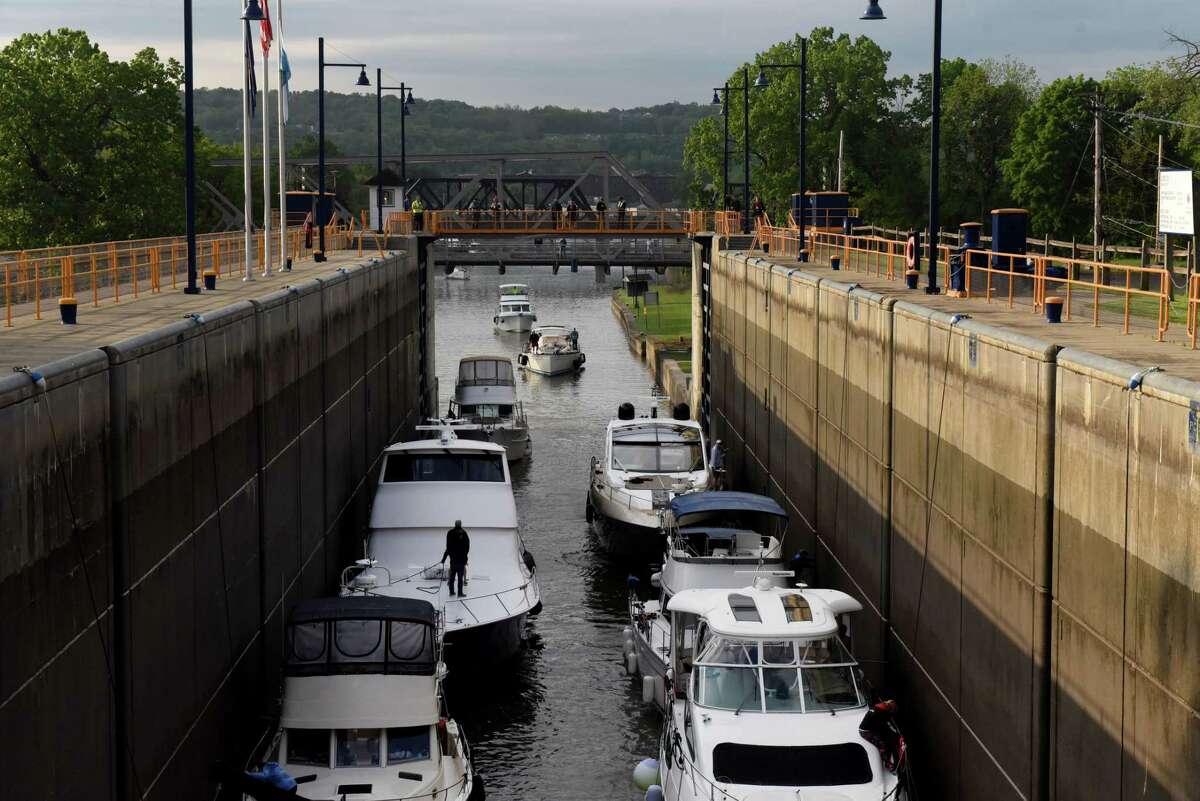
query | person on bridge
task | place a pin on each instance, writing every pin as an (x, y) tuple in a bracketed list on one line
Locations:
[(308, 231), (418, 213), (458, 546), (572, 213), (556, 209), (759, 211), (496, 208), (475, 211), (621, 212), (601, 212)]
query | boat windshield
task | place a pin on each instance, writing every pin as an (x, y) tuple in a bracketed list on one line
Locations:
[(402, 467), (776, 675), (357, 748), (485, 371), (657, 449)]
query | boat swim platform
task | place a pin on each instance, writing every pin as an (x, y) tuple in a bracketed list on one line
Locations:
[(33, 342), (1138, 347)]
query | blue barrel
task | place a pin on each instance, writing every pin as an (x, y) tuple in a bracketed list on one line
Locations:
[(969, 234), (828, 209), (797, 206), (1010, 230)]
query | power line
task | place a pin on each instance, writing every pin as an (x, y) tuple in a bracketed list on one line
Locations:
[(1147, 148), (1149, 118), (1129, 172)]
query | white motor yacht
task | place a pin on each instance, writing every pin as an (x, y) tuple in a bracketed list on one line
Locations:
[(426, 485), (485, 396), (647, 461), (766, 700), (515, 311), (715, 540), (557, 352), (363, 714)]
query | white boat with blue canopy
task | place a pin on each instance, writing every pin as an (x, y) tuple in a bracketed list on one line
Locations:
[(363, 713), (766, 700), (715, 540)]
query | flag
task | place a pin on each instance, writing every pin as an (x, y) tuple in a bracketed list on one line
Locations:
[(285, 77), (250, 71), (266, 34)]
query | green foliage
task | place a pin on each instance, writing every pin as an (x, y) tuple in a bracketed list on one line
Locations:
[(90, 148), (1048, 150)]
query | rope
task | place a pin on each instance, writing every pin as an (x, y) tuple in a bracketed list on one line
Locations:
[(39, 382)]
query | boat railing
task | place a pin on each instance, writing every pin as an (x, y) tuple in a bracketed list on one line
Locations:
[(642, 619), (524, 588), (676, 752)]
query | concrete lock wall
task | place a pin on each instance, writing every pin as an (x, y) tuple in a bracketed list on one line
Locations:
[(220, 469), (969, 485)]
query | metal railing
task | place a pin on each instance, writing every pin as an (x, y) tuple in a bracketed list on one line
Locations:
[(487, 221), (116, 271), (1193, 311), (727, 223)]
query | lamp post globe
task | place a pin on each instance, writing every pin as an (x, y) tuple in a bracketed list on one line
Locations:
[(761, 82), (873, 12), (363, 80), (252, 12)]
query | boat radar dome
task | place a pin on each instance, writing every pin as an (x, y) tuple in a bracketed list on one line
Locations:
[(625, 411), (681, 411)]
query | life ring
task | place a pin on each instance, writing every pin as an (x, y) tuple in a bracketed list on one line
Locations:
[(910, 252)]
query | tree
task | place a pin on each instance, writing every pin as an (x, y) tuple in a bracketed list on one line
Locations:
[(90, 148), (1051, 143), (980, 114)]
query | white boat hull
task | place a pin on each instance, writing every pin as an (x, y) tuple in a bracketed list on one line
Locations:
[(515, 440), (552, 363), (520, 322), (458, 274)]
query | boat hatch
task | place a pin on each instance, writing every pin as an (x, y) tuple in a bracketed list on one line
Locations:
[(744, 609), (448, 466), (796, 609), (792, 765)]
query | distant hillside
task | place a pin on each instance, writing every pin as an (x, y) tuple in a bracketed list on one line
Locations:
[(645, 139)]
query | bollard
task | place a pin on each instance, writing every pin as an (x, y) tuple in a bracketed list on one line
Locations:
[(835, 262), (803, 255), (210, 279), (67, 310), (910, 278), (1054, 309)]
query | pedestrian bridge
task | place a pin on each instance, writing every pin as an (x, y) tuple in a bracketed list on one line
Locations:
[(634, 223)]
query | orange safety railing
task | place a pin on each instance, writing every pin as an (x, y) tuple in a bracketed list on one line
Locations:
[(1193, 311), (399, 223), (487, 221), (110, 270), (727, 223)]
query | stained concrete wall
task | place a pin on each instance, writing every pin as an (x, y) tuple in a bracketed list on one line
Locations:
[(969, 485), (220, 470)]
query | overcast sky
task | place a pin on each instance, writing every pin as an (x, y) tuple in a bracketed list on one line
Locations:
[(606, 53)]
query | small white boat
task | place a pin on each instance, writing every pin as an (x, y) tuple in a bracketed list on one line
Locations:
[(766, 701), (363, 714), (557, 352), (485, 396), (515, 311), (458, 274), (424, 486), (715, 540), (647, 461)]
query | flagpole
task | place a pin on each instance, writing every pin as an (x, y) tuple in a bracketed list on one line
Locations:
[(285, 263), (266, 159), (247, 208)]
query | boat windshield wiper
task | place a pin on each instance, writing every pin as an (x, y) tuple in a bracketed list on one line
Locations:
[(746, 700)]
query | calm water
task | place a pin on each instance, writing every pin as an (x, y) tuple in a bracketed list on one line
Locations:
[(564, 723)]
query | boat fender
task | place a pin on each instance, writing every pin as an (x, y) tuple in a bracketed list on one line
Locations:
[(477, 791), (527, 557), (681, 411), (626, 638), (522, 359), (648, 689), (646, 773), (631, 663), (587, 511), (655, 793)]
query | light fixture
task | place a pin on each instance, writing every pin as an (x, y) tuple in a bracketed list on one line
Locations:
[(363, 80), (252, 12), (716, 101), (411, 99), (761, 81), (873, 12)]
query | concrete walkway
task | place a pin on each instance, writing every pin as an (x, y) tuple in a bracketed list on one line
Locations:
[(36, 342)]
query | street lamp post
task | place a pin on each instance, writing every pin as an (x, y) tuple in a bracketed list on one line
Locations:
[(363, 80), (721, 98), (745, 141), (761, 82), (873, 13), (189, 149), (379, 90)]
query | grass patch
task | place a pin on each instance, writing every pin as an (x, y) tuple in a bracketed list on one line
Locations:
[(1145, 307), (670, 319), (685, 365)]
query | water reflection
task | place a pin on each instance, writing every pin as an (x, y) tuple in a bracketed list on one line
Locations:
[(564, 722)]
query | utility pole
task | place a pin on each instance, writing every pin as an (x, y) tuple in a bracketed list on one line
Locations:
[(841, 147), (1158, 193), (1097, 175)]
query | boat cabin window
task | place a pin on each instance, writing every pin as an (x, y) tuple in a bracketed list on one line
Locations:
[(792, 765), (402, 467), (409, 744), (657, 449), (744, 609), (358, 646), (308, 747), (684, 628), (775, 675), (485, 371), (357, 748)]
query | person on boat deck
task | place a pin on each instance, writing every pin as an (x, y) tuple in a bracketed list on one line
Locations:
[(878, 727), (273, 777), (534, 339), (458, 545), (573, 339)]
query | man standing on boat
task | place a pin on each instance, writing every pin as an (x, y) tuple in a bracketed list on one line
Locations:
[(458, 545)]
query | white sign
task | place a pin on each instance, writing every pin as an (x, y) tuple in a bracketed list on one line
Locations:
[(1176, 212)]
